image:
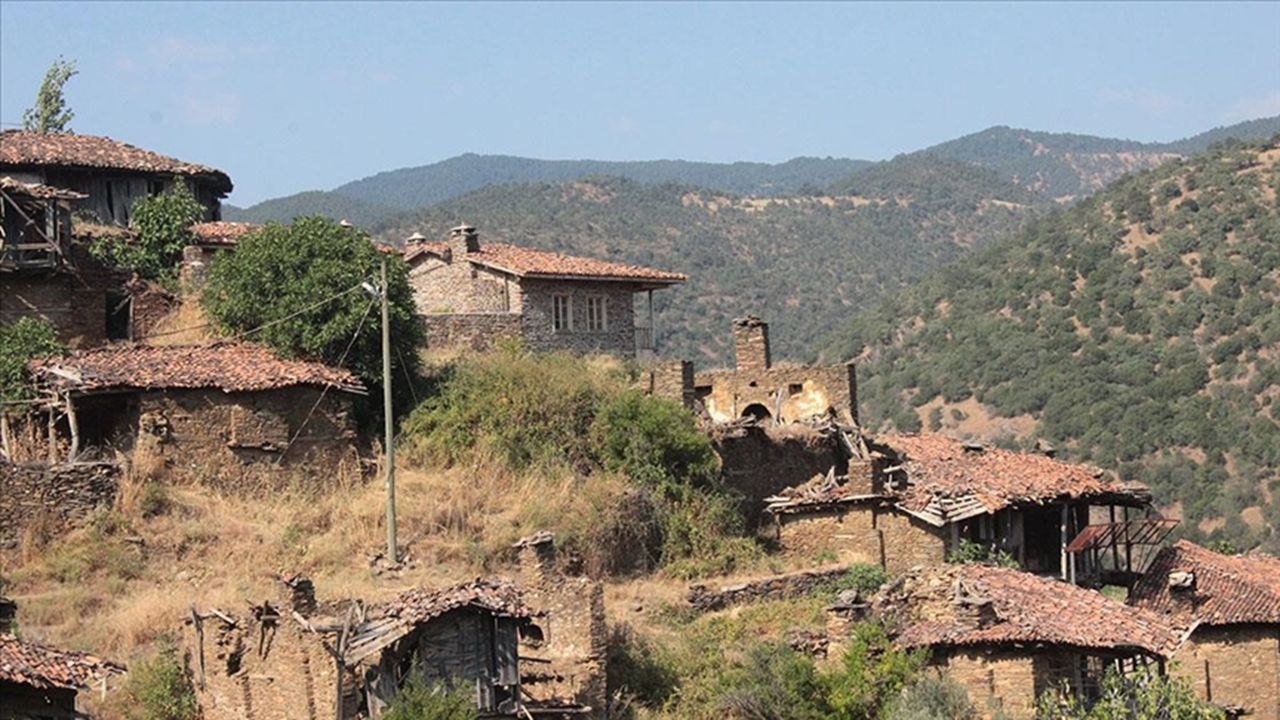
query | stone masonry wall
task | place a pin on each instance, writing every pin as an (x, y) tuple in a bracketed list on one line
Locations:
[(472, 331), (457, 286), (1234, 666), (76, 311), (761, 461), (619, 336), (863, 534), (995, 679), (53, 498), (786, 393), (781, 587)]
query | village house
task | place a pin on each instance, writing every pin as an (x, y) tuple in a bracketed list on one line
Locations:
[(470, 295), (303, 659), (229, 415), (209, 240), (910, 500), (110, 175), (1008, 636), (1226, 608), (38, 682)]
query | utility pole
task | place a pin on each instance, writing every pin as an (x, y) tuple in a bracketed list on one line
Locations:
[(389, 446)]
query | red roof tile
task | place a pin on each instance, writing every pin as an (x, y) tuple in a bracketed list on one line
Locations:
[(945, 482), (924, 607), (45, 667), (418, 605), (1226, 590), (228, 367), (221, 233), (527, 262), (27, 148)]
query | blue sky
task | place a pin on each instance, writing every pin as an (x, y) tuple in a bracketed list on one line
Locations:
[(294, 96)]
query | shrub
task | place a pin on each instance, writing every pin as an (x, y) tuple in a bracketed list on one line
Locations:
[(163, 223), (871, 673), (1141, 695), (159, 688), (934, 697), (863, 577), (421, 698), (638, 671), (20, 342), (972, 552), (653, 440), (774, 682)]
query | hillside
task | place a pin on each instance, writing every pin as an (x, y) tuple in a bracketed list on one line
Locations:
[(802, 262), (312, 202), (415, 187), (1139, 330)]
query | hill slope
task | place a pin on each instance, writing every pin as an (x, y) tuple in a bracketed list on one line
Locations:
[(1140, 329), (804, 262)]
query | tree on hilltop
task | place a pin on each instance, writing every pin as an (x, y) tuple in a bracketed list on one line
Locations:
[(50, 114)]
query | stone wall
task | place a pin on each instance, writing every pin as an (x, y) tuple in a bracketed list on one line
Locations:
[(618, 337), (995, 680), (862, 533), (672, 380), (761, 461), (1234, 666), (782, 587), (472, 331), (786, 394), (76, 310), (456, 286), (53, 498)]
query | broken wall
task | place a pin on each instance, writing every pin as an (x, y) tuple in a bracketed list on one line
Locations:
[(76, 310), (761, 461), (53, 499), (862, 533), (786, 394), (1235, 665)]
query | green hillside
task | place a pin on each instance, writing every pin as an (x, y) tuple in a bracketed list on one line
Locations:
[(313, 202), (804, 262), (1139, 330)]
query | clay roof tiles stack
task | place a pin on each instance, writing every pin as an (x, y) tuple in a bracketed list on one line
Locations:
[(1224, 590), (234, 367), (28, 148), (1028, 609), (44, 667)]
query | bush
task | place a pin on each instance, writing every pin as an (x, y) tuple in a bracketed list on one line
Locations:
[(871, 674), (654, 441), (20, 342), (863, 577), (638, 671), (972, 552), (1141, 695), (934, 697), (774, 683), (163, 223), (420, 698), (159, 688)]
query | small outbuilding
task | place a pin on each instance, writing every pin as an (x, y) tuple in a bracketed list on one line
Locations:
[(38, 682)]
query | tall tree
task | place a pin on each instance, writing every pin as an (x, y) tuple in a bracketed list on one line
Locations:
[(50, 114)]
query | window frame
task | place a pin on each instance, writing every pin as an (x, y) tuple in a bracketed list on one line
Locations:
[(603, 309), (561, 323)]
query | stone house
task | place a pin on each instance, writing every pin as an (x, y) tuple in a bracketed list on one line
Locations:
[(229, 415), (912, 499), (210, 239), (38, 682), (756, 388), (111, 175), (303, 659), (1226, 609), (1008, 636), (470, 294)]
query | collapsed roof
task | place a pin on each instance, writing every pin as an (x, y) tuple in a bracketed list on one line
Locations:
[(1190, 585)]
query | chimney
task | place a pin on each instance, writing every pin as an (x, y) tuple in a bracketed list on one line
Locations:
[(463, 239), (751, 344)]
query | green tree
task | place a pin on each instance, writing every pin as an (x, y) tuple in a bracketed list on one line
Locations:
[(20, 342), (297, 288), (421, 698), (159, 688), (164, 224), (1141, 695), (870, 675), (50, 114)]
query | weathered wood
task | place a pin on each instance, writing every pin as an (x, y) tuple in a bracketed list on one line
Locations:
[(74, 423), (198, 623)]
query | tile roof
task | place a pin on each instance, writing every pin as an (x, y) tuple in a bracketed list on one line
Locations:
[(36, 190), (530, 263), (947, 480), (27, 148), (231, 367), (927, 609), (1226, 589), (222, 234), (45, 667)]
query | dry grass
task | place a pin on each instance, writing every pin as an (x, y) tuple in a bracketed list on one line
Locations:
[(186, 324)]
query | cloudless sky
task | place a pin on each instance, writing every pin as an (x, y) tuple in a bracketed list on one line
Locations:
[(295, 96)]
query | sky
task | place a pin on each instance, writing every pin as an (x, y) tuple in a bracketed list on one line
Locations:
[(287, 97)]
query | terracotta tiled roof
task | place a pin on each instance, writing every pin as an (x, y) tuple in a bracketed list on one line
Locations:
[(927, 609), (45, 667), (221, 233), (227, 367), (527, 262), (1224, 589), (945, 481), (36, 190), (24, 148), (420, 605)]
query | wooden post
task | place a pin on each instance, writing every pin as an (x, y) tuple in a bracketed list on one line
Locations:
[(74, 424), (389, 429), (5, 450), (1065, 540), (52, 451)]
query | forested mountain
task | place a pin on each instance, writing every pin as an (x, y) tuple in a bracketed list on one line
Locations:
[(415, 187), (1138, 329), (803, 262), (362, 213)]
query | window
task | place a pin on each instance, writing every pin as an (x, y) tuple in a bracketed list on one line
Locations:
[(561, 313), (596, 313)]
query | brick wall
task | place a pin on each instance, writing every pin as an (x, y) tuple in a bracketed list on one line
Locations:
[(863, 534), (1234, 665), (618, 337), (55, 498), (472, 331)]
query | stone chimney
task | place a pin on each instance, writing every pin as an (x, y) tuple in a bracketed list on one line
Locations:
[(751, 344), (463, 239)]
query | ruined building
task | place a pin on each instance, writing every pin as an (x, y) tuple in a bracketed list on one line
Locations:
[(471, 295), (38, 682)]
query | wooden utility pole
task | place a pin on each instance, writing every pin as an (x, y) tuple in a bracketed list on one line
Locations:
[(389, 446)]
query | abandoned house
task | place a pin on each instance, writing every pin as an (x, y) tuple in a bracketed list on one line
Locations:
[(754, 387), (231, 415), (300, 659), (1009, 636), (912, 499), (1227, 610), (110, 175), (210, 239), (38, 682), (470, 295)]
